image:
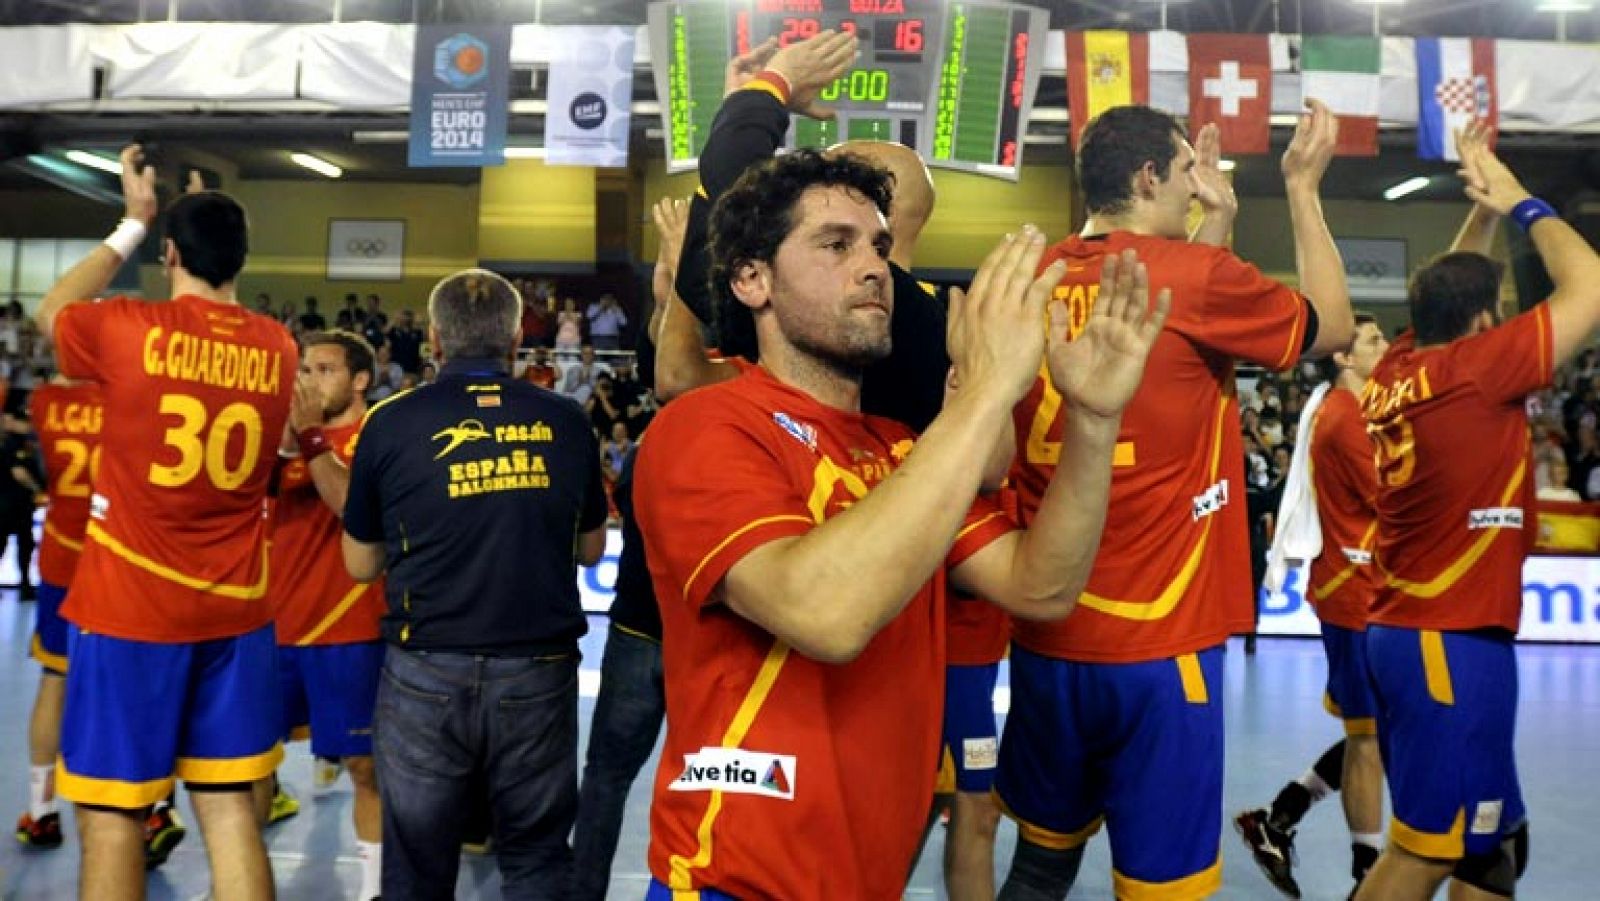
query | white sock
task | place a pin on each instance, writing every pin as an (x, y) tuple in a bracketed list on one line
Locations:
[(371, 869), (1370, 839), (41, 791), (1314, 784)]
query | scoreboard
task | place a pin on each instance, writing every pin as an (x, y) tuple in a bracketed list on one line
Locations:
[(951, 78)]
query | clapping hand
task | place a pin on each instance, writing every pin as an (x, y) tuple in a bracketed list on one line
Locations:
[(1098, 371)]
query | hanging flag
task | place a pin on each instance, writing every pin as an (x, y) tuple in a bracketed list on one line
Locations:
[(1230, 83), (1105, 69), (1343, 73), (1455, 84), (590, 94), (460, 95)]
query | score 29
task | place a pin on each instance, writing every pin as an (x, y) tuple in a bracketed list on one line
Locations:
[(907, 33)]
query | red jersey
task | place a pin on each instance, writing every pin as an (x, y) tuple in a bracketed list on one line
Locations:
[(783, 777), (196, 395), (314, 601), (977, 632), (1343, 579), (67, 419), (1173, 572), (1455, 474)]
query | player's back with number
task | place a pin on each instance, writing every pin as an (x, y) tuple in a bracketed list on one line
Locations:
[(67, 419), (196, 394)]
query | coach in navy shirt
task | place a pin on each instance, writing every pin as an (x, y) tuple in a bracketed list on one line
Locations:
[(478, 495)]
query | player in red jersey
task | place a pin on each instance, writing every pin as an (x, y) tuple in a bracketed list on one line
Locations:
[(1116, 711), (1455, 486), (66, 417), (330, 653), (173, 672), (799, 548)]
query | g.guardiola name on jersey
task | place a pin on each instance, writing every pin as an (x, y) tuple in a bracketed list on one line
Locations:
[(209, 361)]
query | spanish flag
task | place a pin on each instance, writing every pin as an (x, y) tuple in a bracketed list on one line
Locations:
[(1105, 69)]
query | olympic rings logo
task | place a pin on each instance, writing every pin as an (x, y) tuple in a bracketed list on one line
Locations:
[(1366, 268), (365, 247)]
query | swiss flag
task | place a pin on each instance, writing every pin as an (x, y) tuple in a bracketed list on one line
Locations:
[(1230, 83)]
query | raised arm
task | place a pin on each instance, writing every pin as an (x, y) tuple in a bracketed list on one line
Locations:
[(93, 274), (1218, 203), (1572, 263), (1322, 278), (681, 362), (1477, 232)]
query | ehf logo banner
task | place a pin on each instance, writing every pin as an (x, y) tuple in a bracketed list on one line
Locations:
[(460, 95), (591, 96)]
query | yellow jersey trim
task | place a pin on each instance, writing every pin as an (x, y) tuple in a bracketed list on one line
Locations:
[(1193, 678), (117, 793), (1048, 838), (240, 592), (682, 867), (1344, 575), (688, 586), (1452, 574), (56, 662), (767, 87), (334, 615), (1167, 601), (1449, 845), (1297, 337), (66, 542), (1436, 668), (1200, 885), (230, 770), (1361, 725)]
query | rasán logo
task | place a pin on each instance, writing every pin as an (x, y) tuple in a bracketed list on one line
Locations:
[(461, 61), (588, 110)]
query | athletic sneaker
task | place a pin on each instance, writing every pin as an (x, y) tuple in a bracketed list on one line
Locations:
[(1273, 849), (163, 832), (324, 774), (284, 806), (44, 832)]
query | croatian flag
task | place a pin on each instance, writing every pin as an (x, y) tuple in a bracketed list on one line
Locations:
[(1456, 83)]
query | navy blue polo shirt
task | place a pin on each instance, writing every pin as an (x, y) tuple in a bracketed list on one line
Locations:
[(478, 486)]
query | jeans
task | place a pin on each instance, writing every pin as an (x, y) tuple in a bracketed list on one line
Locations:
[(627, 719), (448, 721)]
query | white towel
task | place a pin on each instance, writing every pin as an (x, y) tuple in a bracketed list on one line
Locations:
[(1299, 533)]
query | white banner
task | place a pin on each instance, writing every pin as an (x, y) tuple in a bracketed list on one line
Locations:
[(45, 65), (202, 61), (1560, 602), (357, 65), (590, 94)]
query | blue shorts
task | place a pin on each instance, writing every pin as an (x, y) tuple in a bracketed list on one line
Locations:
[(1448, 717), (659, 892), (1349, 696), (329, 694), (971, 737), (49, 629), (139, 714), (1138, 745)]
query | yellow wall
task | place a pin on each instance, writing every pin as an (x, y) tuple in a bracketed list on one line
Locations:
[(535, 213)]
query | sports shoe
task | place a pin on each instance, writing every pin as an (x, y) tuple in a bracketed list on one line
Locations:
[(45, 832), (324, 774), (1273, 849), (284, 806), (163, 832)]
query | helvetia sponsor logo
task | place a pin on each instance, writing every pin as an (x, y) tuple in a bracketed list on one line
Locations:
[(738, 771)]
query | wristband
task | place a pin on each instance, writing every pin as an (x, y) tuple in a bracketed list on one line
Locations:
[(130, 233), (1529, 211), (773, 83), (313, 443)]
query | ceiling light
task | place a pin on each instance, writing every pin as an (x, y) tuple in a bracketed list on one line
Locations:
[(95, 161), (1380, 2), (1227, 165), (524, 153), (1565, 6), (316, 164), (1409, 186)]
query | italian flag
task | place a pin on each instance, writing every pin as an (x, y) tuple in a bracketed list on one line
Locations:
[(1343, 73)]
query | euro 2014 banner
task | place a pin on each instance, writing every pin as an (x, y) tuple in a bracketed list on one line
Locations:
[(460, 95), (590, 96)]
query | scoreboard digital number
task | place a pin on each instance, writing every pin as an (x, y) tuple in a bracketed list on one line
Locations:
[(955, 80)]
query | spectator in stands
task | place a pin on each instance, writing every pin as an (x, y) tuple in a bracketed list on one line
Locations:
[(614, 451), (578, 383), (375, 322), (11, 328), (606, 322), (604, 411), (405, 341), (569, 327), (1582, 400), (538, 320), (541, 371), (1558, 488), (21, 482), (1271, 429), (625, 384), (263, 304), (311, 320), (389, 376), (1583, 460), (344, 321), (352, 305)]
